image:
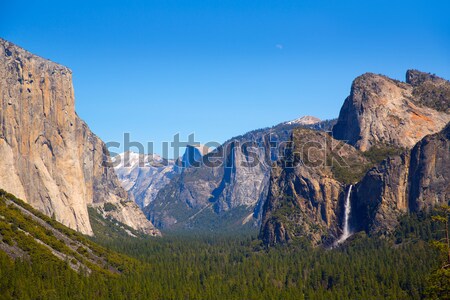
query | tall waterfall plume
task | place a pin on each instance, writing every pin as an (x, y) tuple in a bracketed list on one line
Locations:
[(346, 232)]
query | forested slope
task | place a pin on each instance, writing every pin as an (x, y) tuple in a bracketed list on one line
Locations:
[(205, 267)]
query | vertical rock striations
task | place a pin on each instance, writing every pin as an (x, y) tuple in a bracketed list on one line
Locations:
[(416, 180), (49, 156), (429, 171), (306, 196), (380, 198)]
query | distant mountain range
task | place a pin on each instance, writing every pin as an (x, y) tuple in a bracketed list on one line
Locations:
[(180, 196)]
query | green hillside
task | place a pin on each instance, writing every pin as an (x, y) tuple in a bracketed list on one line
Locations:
[(42, 259)]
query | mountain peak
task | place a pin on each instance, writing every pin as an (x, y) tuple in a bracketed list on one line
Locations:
[(203, 149), (11, 50), (381, 110), (416, 77), (305, 120)]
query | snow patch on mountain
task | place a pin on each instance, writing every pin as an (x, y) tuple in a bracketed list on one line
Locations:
[(143, 175), (305, 120)]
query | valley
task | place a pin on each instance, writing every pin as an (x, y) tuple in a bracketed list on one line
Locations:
[(349, 208)]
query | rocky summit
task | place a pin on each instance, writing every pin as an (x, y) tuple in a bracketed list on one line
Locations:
[(382, 111), (49, 156), (386, 156)]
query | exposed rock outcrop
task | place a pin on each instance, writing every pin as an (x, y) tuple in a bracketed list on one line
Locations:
[(416, 180), (380, 117), (306, 195), (49, 156), (429, 171), (383, 111)]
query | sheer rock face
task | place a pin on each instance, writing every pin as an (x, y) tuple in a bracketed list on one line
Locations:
[(416, 180), (429, 174), (49, 156), (384, 111), (306, 199), (380, 198), (308, 202)]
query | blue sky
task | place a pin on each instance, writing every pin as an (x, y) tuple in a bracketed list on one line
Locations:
[(222, 68)]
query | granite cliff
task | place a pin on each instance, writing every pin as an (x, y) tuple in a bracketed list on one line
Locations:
[(397, 161), (383, 111), (49, 156), (418, 179), (307, 189)]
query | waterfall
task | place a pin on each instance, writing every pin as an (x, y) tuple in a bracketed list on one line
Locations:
[(346, 231)]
